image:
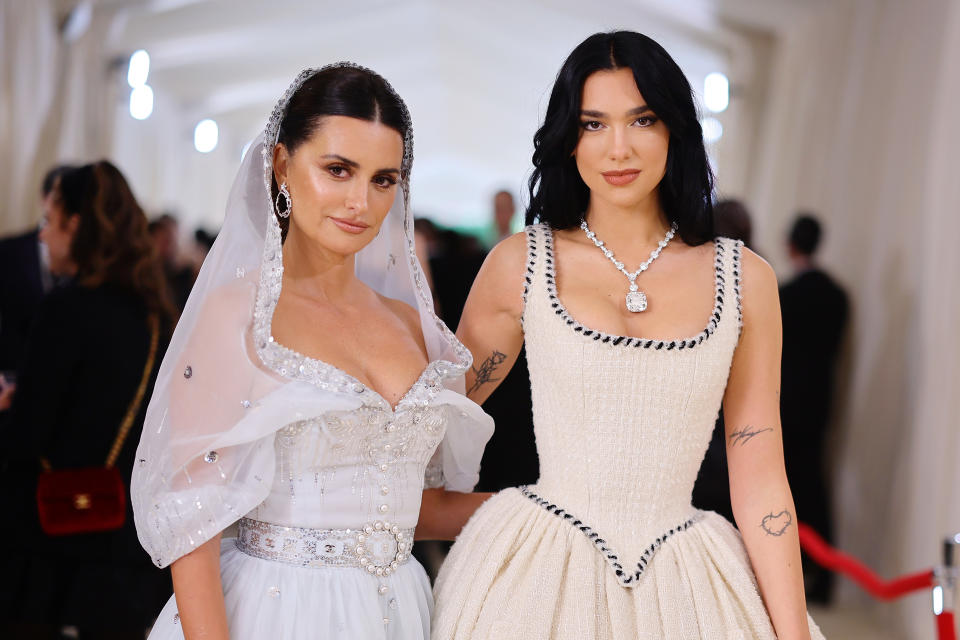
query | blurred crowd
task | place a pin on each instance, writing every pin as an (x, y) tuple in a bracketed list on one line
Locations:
[(80, 293)]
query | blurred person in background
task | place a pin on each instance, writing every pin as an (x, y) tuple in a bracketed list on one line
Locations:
[(424, 237), (24, 279), (165, 234), (815, 314), (454, 265), (501, 224), (731, 219), (87, 355), (504, 211), (202, 243)]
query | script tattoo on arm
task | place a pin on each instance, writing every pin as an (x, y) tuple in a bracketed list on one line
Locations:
[(743, 436), (777, 525), (484, 373)]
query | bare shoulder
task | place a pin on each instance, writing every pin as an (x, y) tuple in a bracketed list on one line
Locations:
[(758, 289), (509, 255), (756, 272), (499, 285)]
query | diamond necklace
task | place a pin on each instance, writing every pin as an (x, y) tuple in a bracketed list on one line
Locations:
[(636, 299)]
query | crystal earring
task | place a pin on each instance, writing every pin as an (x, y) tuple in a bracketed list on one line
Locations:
[(286, 195)]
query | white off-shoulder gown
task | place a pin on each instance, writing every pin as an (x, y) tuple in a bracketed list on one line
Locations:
[(356, 470)]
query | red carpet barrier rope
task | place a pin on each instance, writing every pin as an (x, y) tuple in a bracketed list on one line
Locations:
[(840, 562), (828, 557)]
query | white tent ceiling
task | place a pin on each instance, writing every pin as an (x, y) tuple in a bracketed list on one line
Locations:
[(475, 74)]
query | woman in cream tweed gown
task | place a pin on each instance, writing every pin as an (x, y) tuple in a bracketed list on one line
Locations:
[(607, 544)]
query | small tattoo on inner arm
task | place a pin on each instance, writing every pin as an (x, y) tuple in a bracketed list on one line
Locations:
[(484, 373), (743, 436), (777, 525)]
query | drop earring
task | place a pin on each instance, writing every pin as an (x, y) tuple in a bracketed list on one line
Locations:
[(286, 195)]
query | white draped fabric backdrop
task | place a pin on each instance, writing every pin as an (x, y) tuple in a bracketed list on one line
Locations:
[(853, 116), (861, 126), (57, 102)]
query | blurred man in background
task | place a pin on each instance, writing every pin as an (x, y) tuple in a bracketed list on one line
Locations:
[(815, 311), (24, 279)]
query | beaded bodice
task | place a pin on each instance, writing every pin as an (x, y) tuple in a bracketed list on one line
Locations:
[(350, 467), (622, 423)]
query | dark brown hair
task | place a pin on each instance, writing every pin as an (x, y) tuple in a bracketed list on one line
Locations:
[(111, 245), (338, 91)]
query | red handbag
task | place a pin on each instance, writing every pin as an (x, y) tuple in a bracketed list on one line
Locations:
[(92, 499)]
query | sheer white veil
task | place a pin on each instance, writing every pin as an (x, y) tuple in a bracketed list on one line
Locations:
[(225, 386)]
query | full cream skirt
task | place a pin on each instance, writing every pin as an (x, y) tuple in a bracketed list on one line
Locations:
[(518, 571)]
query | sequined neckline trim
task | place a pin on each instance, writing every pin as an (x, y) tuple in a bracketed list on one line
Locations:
[(629, 341), (296, 366)]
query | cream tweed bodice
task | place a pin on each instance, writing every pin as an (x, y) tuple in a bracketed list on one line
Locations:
[(622, 424)]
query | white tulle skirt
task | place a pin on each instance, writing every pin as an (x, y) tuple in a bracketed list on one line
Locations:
[(267, 599)]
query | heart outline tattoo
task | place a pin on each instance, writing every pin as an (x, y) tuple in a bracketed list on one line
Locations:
[(770, 521)]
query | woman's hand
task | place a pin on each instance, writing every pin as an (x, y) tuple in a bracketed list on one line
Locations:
[(443, 513)]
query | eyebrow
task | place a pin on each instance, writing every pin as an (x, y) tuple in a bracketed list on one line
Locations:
[(355, 165), (600, 114)]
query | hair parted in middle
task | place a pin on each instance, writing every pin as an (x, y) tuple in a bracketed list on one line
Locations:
[(344, 90), (559, 196)]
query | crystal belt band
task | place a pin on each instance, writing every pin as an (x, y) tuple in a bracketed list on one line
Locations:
[(379, 547)]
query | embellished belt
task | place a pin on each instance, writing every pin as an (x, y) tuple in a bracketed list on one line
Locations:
[(379, 547)]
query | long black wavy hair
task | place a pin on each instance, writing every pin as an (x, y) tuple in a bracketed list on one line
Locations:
[(559, 196)]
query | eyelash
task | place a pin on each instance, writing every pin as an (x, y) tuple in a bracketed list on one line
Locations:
[(651, 120), (384, 182)]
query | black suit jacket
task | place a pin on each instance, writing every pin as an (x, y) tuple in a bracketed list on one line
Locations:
[(815, 311), (21, 289)]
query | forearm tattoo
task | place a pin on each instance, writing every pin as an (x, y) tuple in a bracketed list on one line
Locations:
[(777, 525), (743, 436), (484, 373)]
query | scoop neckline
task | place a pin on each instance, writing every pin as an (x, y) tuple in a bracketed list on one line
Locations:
[(596, 335)]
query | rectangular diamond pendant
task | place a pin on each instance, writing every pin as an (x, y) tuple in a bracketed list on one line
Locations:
[(636, 301)]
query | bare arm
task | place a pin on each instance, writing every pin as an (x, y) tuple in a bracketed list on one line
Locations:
[(490, 324), (761, 498), (443, 514), (490, 329), (196, 583)]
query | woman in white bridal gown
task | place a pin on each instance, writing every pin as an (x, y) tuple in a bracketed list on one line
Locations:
[(308, 391)]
